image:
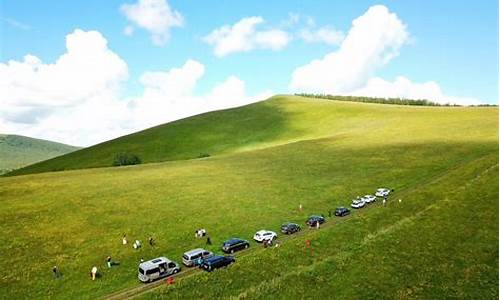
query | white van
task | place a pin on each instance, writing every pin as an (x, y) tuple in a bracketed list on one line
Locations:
[(157, 268), (191, 257)]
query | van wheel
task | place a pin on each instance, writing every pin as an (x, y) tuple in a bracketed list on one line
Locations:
[(246, 246), (176, 271), (232, 251)]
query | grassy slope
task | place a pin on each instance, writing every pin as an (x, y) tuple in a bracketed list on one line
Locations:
[(280, 120), (19, 151), (75, 219)]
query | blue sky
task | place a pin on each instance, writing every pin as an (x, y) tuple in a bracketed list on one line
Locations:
[(453, 44)]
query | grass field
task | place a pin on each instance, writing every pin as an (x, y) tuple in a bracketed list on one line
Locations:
[(440, 242), (19, 151)]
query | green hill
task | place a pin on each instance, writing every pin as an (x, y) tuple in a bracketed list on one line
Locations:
[(277, 121), (439, 242), (19, 151)]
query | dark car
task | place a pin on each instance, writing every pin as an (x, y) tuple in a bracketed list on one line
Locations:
[(217, 261), (315, 219), (289, 228), (342, 211), (233, 245)]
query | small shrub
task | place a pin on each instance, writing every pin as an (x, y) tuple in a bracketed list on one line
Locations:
[(202, 155), (125, 159)]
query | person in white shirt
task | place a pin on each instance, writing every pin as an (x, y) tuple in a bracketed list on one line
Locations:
[(93, 272)]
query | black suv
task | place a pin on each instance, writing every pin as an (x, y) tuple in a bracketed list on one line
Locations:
[(233, 245), (342, 211), (217, 261), (314, 219), (289, 228)]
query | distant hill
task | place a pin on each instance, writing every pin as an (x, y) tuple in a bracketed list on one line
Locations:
[(18, 151), (280, 120)]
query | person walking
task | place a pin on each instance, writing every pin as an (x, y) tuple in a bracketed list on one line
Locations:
[(317, 224), (124, 240), (209, 241), (384, 201), (300, 206), (93, 272), (151, 241), (108, 261)]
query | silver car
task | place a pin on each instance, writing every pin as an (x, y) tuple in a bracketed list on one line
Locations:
[(191, 257), (157, 268)]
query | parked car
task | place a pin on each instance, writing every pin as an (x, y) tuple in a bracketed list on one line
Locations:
[(358, 203), (369, 198), (157, 268), (217, 261), (342, 211), (191, 257), (290, 228), (315, 218), (382, 192), (264, 235), (233, 245)]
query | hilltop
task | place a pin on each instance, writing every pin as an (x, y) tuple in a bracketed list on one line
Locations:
[(18, 151), (279, 120)]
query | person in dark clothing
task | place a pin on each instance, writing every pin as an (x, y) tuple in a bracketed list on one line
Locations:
[(209, 241), (151, 241), (56, 272), (109, 261)]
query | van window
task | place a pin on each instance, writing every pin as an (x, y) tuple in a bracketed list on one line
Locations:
[(152, 271), (185, 257), (171, 265), (195, 256), (205, 253), (141, 271)]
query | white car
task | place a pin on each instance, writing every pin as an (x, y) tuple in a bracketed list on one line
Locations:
[(264, 235), (369, 198), (382, 192), (359, 203)]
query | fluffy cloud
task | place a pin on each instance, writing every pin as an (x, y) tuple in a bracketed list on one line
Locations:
[(374, 39), (155, 16), (77, 99), (244, 36)]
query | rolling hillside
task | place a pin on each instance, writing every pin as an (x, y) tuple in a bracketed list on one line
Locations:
[(19, 151), (279, 120), (440, 241)]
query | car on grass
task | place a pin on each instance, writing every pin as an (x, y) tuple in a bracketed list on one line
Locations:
[(382, 192), (290, 228), (195, 257), (358, 203), (216, 261), (157, 268), (234, 244), (264, 235), (342, 211), (369, 198), (312, 220)]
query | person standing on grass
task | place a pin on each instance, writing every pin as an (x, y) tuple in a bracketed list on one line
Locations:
[(209, 241), (124, 240), (317, 224), (384, 201), (300, 206), (56, 272), (151, 241), (108, 261), (93, 272)]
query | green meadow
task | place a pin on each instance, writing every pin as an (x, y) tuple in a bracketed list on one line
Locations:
[(440, 241)]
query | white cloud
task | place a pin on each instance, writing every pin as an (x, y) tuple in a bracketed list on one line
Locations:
[(244, 36), (326, 34), (155, 16), (16, 24), (373, 40), (128, 30), (77, 99)]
